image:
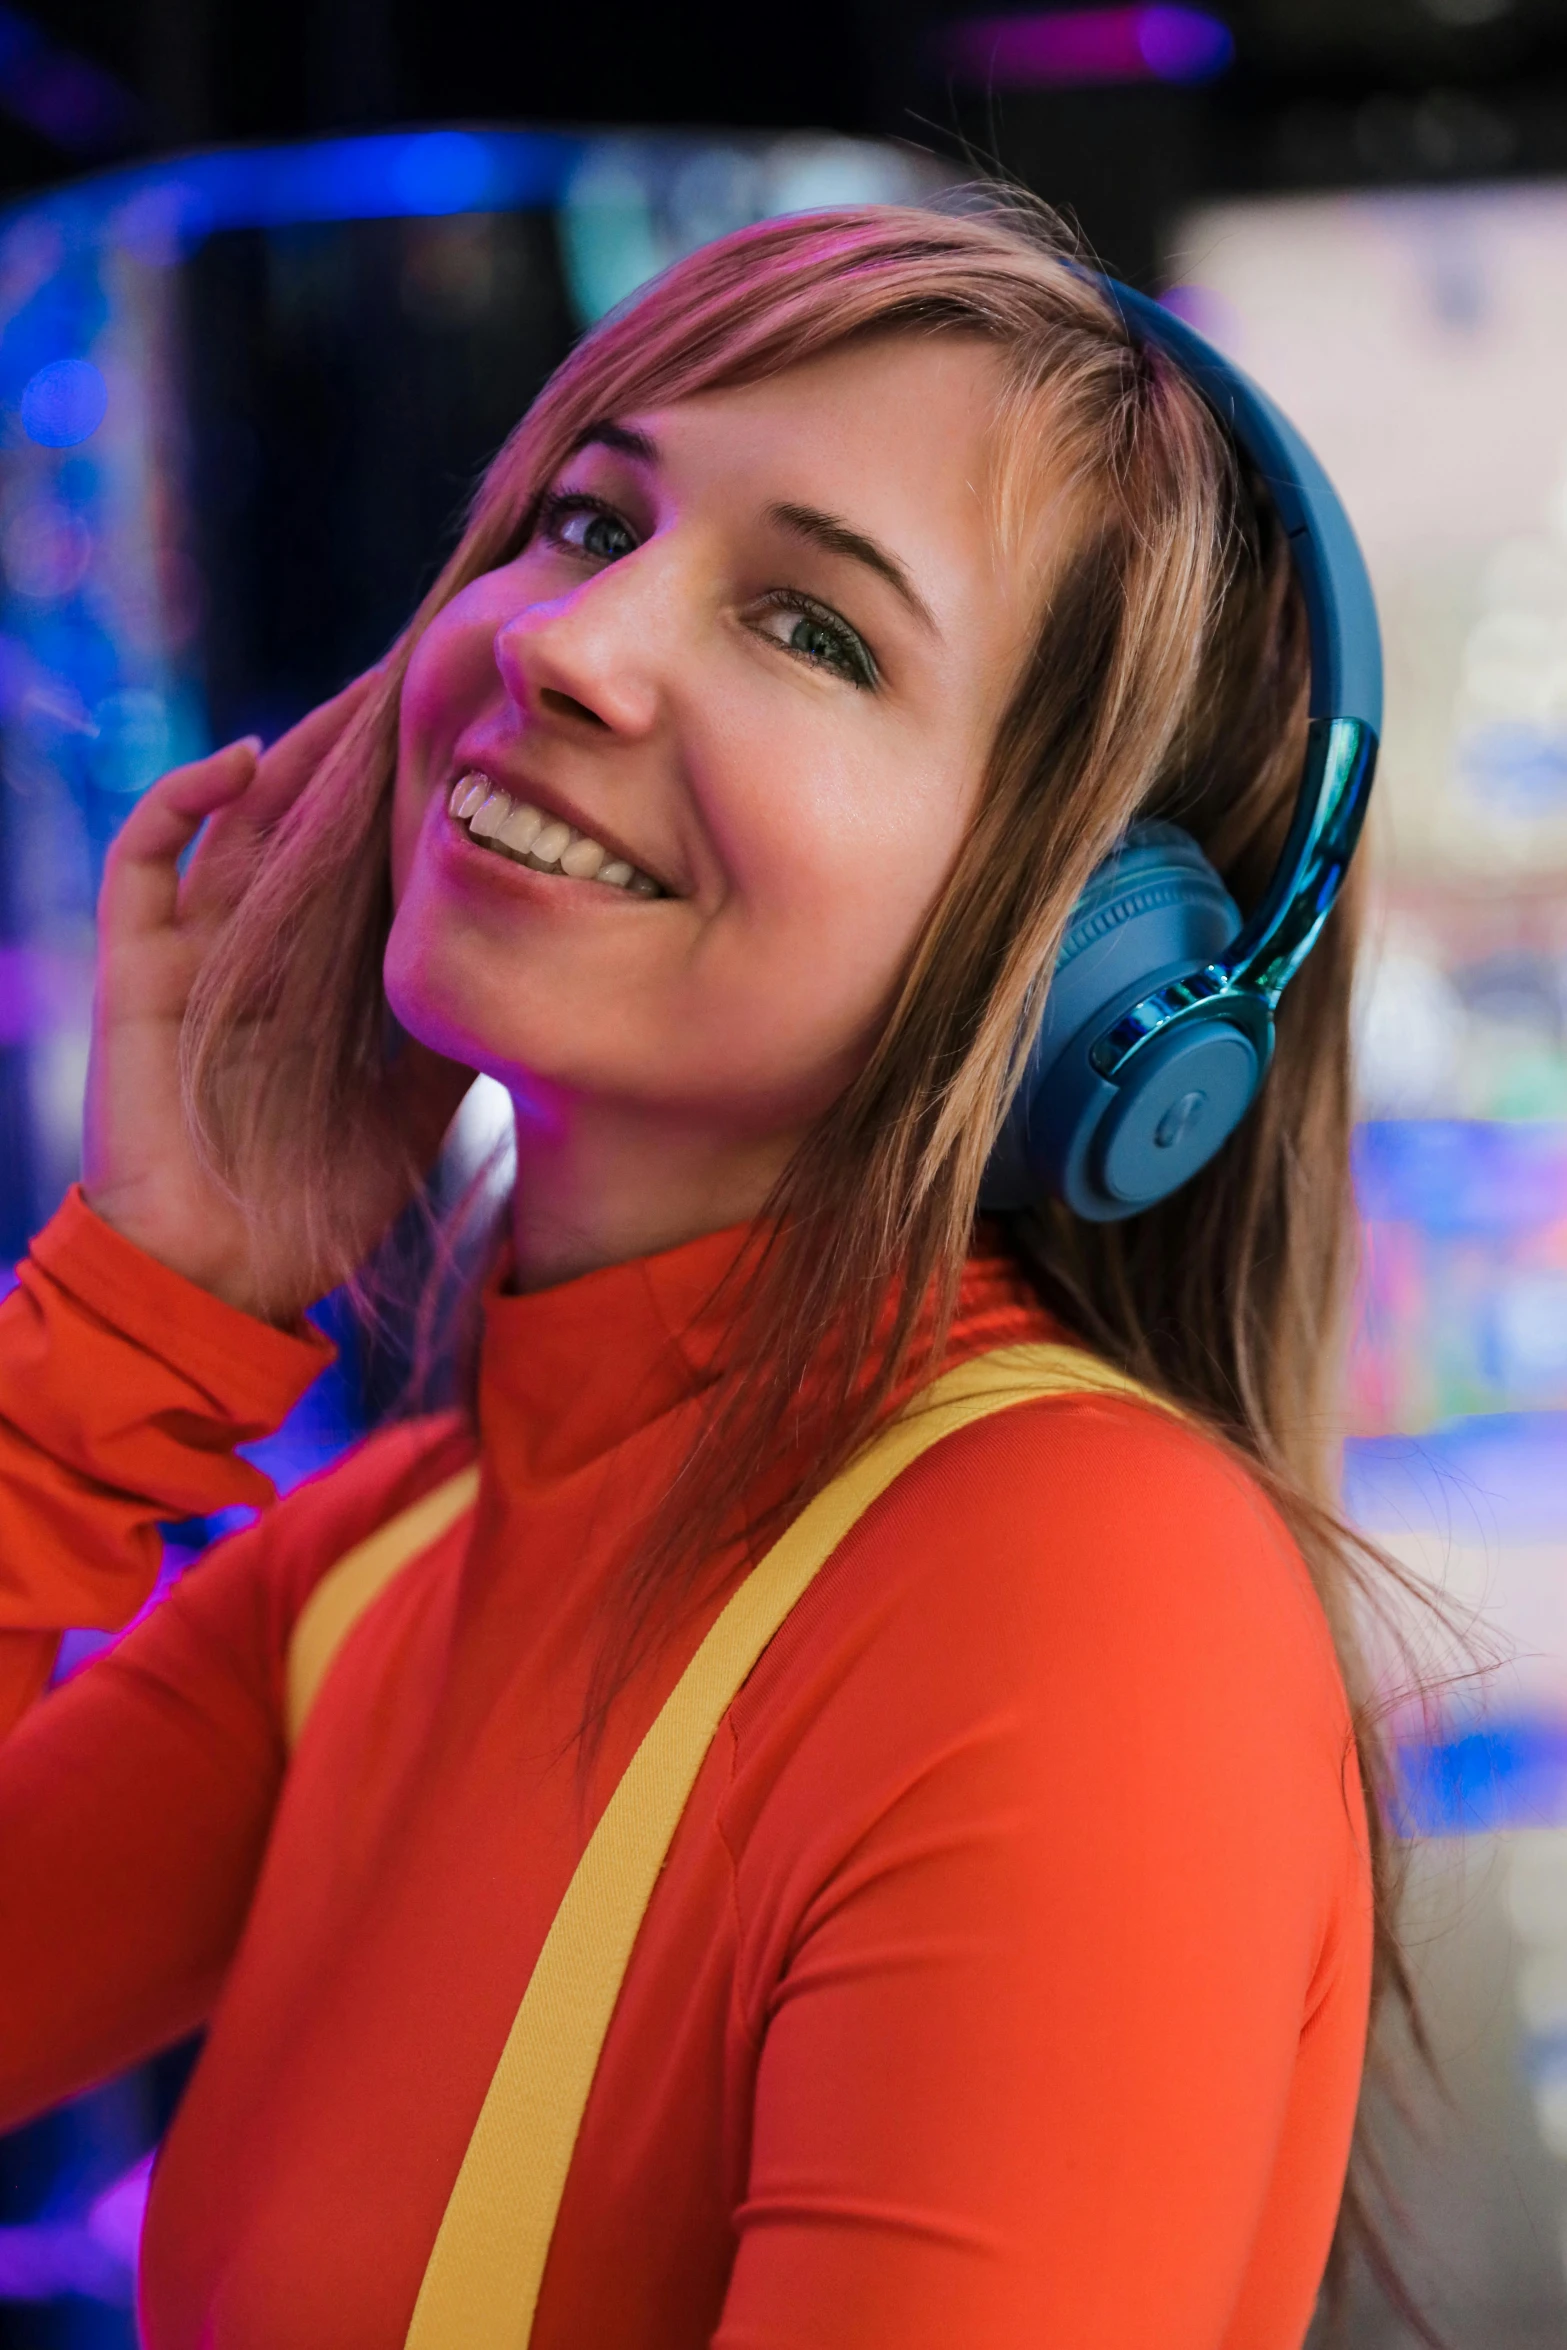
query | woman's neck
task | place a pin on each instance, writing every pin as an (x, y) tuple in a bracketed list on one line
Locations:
[(600, 1185)]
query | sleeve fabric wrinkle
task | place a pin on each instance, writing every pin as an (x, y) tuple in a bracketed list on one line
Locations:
[(124, 1392)]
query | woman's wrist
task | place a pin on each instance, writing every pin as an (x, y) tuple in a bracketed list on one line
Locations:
[(257, 1366), (174, 1242)]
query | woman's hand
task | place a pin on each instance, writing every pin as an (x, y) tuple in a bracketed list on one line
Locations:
[(140, 1169)]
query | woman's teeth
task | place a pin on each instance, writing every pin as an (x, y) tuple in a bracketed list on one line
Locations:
[(517, 831)]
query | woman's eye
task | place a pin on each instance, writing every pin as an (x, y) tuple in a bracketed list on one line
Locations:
[(585, 527), (813, 633)]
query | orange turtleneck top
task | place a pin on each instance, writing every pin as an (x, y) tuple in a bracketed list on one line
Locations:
[(1007, 1981)]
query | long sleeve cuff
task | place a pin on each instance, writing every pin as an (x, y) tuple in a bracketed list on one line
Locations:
[(124, 1390)]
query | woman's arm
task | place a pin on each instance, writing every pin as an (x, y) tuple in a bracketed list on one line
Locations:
[(1063, 2047), (124, 1391), (125, 1382), (131, 1361), (136, 1800), (134, 1804)]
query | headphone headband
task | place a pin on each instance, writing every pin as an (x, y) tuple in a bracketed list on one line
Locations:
[(1157, 1028), (1345, 706), (1341, 612)]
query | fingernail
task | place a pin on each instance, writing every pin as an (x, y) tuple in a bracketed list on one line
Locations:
[(250, 743)]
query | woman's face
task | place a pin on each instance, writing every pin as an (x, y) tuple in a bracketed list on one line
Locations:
[(755, 654)]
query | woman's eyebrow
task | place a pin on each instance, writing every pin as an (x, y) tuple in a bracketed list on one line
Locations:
[(623, 439), (837, 537)]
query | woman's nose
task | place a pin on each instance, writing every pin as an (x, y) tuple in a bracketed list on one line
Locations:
[(583, 661)]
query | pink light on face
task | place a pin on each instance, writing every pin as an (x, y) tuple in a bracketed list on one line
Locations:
[(1074, 48)]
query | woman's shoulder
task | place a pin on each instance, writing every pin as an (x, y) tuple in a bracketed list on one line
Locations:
[(1168, 1511), (1080, 1612), (1114, 1512), (225, 1629), (1103, 1567), (1109, 1458)]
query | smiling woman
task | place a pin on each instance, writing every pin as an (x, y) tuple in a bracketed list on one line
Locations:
[(776, 716), (827, 625)]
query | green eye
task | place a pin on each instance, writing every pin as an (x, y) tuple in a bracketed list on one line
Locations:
[(584, 526), (816, 634), (604, 537), (817, 643)]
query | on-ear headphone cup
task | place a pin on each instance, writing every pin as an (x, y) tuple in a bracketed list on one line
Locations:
[(1155, 912), (1177, 1104)]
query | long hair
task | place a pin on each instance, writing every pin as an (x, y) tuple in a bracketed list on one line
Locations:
[(1167, 677)]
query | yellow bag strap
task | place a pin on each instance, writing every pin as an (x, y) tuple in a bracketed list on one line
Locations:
[(481, 2286)]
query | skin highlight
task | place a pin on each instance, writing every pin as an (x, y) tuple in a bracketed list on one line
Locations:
[(756, 645)]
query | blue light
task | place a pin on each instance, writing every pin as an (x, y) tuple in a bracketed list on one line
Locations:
[(1455, 1176), (1496, 1477), (444, 171), (1184, 44), (390, 175), (1479, 1776), (64, 403)]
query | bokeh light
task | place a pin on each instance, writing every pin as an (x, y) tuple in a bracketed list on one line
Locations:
[(64, 403)]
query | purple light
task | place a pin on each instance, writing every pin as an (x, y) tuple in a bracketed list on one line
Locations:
[(1074, 48), (94, 2258), (19, 993), (40, 991), (52, 2258), (1183, 44), (1207, 311)]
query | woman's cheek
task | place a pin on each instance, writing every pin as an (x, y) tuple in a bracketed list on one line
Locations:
[(883, 827), (452, 677), (449, 678), (414, 812), (449, 674), (812, 810)]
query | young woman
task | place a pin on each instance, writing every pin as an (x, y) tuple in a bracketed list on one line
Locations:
[(824, 626)]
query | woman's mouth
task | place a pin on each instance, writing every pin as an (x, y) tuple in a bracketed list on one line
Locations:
[(528, 837)]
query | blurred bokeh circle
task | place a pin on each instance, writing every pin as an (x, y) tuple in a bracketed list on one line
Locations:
[(64, 403)]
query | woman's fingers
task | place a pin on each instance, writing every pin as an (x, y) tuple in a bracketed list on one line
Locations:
[(141, 877), (157, 925), (218, 872)]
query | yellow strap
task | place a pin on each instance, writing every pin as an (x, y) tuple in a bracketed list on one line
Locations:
[(360, 1576), (481, 2286)]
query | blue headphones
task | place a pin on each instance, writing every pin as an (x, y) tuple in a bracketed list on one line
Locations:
[(1157, 1030)]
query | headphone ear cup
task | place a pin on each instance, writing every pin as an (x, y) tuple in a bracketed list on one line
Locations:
[(1155, 912), (1179, 1101)]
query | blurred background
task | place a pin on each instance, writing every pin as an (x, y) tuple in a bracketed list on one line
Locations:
[(274, 283)]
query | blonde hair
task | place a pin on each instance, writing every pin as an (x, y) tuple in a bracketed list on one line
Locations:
[(1167, 678)]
